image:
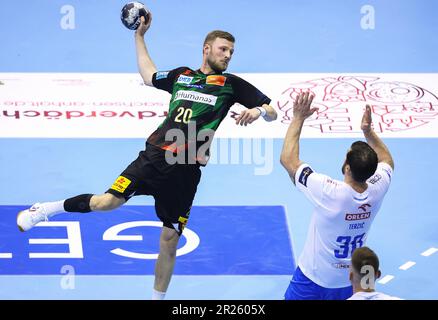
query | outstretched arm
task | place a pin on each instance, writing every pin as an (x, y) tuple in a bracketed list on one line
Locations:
[(373, 140), (250, 115), (290, 158), (145, 64)]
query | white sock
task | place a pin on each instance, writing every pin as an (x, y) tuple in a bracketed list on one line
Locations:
[(53, 208), (158, 295)]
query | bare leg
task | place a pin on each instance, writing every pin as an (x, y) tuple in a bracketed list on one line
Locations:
[(166, 259)]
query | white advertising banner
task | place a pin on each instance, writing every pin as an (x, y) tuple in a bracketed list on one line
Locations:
[(70, 105)]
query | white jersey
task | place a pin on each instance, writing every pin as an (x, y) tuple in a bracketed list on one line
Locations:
[(372, 296), (339, 224)]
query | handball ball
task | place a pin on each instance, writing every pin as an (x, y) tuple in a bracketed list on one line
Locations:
[(131, 13)]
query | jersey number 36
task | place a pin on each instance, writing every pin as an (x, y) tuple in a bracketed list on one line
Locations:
[(344, 245)]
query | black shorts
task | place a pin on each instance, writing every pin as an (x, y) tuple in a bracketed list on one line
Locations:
[(172, 186)]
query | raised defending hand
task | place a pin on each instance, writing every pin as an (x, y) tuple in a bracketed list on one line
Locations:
[(366, 120), (302, 105), (143, 27)]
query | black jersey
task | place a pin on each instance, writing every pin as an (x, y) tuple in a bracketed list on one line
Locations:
[(198, 105)]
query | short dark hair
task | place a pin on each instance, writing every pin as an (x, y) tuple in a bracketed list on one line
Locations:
[(364, 256), (211, 36), (362, 160)]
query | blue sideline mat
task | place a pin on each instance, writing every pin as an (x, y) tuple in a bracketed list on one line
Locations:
[(219, 240)]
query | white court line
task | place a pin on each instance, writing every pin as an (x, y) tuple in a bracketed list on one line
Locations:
[(386, 279), (407, 265), (429, 252), (49, 241), (5, 255)]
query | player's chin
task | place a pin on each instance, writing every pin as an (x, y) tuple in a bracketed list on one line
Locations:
[(221, 67)]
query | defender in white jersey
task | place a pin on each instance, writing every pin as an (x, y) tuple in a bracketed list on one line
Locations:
[(343, 210), (364, 271)]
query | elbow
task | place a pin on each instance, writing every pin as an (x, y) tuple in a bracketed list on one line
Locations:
[(388, 160), (271, 113), (147, 79), (286, 163), (290, 164), (274, 116), (391, 163), (283, 160)]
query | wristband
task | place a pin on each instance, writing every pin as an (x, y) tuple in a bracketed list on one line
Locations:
[(262, 111)]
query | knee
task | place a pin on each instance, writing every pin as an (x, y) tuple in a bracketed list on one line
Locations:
[(105, 202), (168, 247)]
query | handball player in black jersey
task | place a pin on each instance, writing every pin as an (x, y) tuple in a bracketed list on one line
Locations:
[(169, 167)]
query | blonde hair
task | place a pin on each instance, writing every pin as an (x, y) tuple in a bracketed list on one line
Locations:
[(211, 36)]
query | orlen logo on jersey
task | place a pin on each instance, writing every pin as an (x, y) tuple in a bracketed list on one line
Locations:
[(359, 216), (364, 207), (184, 79)]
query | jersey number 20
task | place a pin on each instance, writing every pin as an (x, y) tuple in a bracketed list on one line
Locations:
[(183, 115)]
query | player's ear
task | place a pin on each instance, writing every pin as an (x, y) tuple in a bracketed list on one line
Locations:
[(378, 274), (206, 49)]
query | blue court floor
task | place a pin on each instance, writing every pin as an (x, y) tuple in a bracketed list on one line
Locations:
[(404, 229), (247, 229)]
